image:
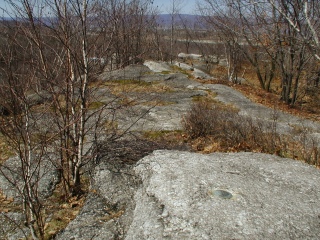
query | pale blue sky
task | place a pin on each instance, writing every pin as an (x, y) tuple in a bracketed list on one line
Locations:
[(2, 5), (165, 6)]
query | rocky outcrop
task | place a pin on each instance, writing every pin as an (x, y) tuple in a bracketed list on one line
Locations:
[(190, 56), (225, 196), (183, 195), (11, 177), (131, 72), (158, 66), (286, 124), (177, 101)]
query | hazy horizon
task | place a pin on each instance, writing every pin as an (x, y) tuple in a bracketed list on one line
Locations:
[(164, 7)]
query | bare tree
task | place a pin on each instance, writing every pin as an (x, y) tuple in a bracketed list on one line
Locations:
[(301, 42), (303, 17), (130, 24), (222, 17), (21, 124), (268, 37), (174, 10), (47, 82)]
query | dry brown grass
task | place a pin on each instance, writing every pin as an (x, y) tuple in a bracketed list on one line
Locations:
[(61, 209), (214, 128), (306, 107), (7, 204), (125, 86), (309, 109)]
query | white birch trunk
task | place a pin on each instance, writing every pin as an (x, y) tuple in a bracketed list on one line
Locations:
[(84, 83)]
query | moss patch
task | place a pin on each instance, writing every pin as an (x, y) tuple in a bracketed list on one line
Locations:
[(171, 139), (95, 105)]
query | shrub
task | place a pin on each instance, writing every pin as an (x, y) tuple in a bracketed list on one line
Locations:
[(211, 127), (232, 132), (198, 121)]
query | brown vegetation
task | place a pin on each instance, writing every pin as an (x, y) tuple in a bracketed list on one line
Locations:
[(215, 128), (307, 105)]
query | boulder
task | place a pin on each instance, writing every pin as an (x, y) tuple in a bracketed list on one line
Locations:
[(198, 74), (184, 66), (190, 56), (184, 195), (187, 195), (131, 72), (158, 66)]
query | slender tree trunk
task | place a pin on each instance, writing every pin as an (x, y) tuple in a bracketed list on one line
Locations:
[(83, 104)]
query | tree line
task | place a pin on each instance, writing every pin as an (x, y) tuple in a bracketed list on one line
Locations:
[(279, 39)]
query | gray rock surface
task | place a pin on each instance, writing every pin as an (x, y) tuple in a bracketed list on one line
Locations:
[(183, 195), (11, 178), (198, 71), (223, 62), (212, 59), (93, 222), (168, 106), (272, 198), (168, 116), (190, 56), (156, 118), (184, 66), (157, 66), (108, 209), (11, 185), (9, 222), (199, 74), (179, 80), (132, 72), (285, 123)]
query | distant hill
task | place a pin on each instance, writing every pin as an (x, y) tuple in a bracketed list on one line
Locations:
[(163, 20), (188, 20)]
